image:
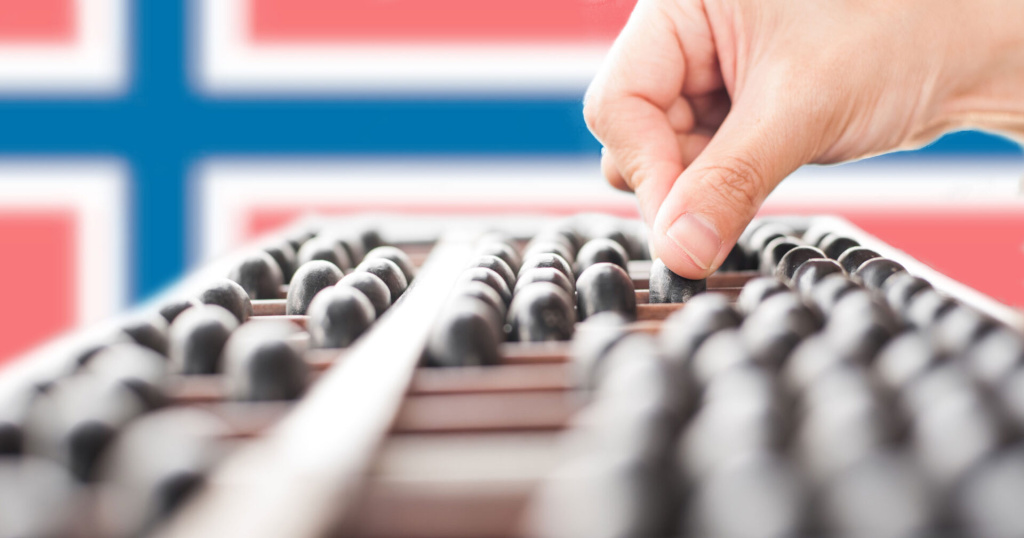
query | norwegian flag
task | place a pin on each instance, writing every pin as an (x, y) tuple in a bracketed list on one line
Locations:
[(62, 235), (406, 46), (63, 46)]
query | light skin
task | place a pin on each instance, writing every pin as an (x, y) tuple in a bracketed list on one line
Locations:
[(704, 106)]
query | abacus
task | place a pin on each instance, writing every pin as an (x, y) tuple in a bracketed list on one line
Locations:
[(692, 408)]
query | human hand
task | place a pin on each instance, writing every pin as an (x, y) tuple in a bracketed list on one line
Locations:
[(704, 106)]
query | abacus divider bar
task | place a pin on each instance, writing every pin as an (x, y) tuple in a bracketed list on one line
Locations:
[(304, 475)]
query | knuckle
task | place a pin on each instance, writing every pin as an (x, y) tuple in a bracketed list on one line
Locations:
[(735, 182)]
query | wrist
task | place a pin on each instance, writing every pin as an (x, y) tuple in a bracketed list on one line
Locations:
[(985, 78)]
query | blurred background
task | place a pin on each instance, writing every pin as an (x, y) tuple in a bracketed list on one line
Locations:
[(139, 139)]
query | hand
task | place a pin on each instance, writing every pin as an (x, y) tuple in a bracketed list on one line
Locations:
[(704, 106)]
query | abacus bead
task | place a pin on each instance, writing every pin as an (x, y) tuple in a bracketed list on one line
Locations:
[(389, 272), (321, 248), (961, 328), (605, 287), (485, 293), (686, 329), (813, 271), (835, 245), (774, 251), (396, 256), (736, 260), (74, 421), (505, 251), (995, 356), (370, 238), (719, 352), (172, 309), (763, 487), (372, 287), (776, 326), (829, 290), (350, 244), (259, 275), (284, 254), (309, 279), (900, 288), (542, 312), (756, 291), (499, 266), (149, 330), (157, 463), (261, 364), (927, 307), (83, 353), (988, 505), (197, 338), (668, 287), (545, 274), (764, 234), (904, 359), (489, 277), (591, 343), (816, 234), (794, 259), (882, 496), (141, 369), (601, 250), (550, 245), (547, 259), (855, 257), (37, 499), (337, 316), (464, 335), (860, 325), (873, 273), (229, 295)]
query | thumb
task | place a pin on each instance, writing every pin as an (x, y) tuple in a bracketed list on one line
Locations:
[(702, 215)]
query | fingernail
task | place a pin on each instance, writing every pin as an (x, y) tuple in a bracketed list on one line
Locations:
[(696, 237)]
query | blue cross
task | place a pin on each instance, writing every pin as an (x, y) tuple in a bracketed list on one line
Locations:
[(163, 126)]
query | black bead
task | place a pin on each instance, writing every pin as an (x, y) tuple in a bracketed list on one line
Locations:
[(756, 290), (149, 330), (668, 287), (259, 275), (860, 501), (285, 256), (835, 245), (505, 251), (601, 250), (389, 272), (309, 279), (873, 273), (813, 271), (961, 328), (685, 330), (484, 293), (985, 504), (829, 290), (260, 363), (337, 316), (542, 312), (793, 259), (547, 259), (197, 339), (464, 335), (398, 257), (229, 295), (141, 369), (901, 288), (499, 266), (927, 307), (546, 274), (774, 251), (326, 249), (905, 359), (605, 287), (994, 356), (172, 309), (372, 287), (854, 257), (489, 277)]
